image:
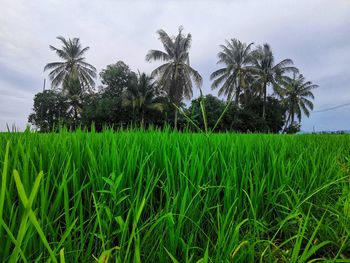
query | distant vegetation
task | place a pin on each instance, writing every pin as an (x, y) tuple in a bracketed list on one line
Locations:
[(245, 78)]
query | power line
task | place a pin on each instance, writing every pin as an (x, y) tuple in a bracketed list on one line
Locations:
[(333, 108)]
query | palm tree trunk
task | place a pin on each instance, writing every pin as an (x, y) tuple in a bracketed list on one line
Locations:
[(237, 96), (175, 120), (142, 118), (264, 102), (285, 126), (75, 113), (238, 89)]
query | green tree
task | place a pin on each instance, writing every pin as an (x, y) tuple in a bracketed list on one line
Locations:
[(269, 73), (234, 76), (72, 54), (117, 78), (50, 110), (175, 76), (213, 108), (243, 118), (106, 106), (142, 96), (247, 117), (296, 96)]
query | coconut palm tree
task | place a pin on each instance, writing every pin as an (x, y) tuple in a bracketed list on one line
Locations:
[(270, 73), (296, 94), (72, 54), (74, 94), (142, 96), (175, 76), (234, 76)]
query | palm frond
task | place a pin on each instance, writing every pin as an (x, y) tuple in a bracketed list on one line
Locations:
[(218, 73), (53, 65), (88, 66), (167, 42), (197, 78), (82, 51), (154, 55)]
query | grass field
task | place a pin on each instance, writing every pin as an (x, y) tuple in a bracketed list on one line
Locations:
[(174, 197)]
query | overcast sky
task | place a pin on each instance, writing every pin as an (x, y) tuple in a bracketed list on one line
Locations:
[(315, 34)]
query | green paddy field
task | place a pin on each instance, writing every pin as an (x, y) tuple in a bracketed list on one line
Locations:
[(152, 196)]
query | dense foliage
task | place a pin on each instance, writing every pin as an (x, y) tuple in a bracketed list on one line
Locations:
[(129, 99), (174, 197)]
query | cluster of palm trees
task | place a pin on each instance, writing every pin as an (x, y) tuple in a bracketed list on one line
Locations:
[(249, 72), (246, 72)]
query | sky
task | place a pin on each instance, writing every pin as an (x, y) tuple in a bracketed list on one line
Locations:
[(314, 34)]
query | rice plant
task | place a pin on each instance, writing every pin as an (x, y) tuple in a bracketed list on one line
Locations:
[(162, 196)]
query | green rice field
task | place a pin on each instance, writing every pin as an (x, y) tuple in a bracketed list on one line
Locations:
[(152, 196)]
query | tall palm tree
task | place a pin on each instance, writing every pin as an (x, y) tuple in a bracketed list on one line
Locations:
[(175, 76), (142, 96), (72, 54), (74, 93), (234, 76), (269, 73), (296, 95)]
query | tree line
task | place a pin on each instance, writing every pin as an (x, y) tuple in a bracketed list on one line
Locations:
[(260, 94)]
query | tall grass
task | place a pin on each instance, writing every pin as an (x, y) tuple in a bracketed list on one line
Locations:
[(149, 196)]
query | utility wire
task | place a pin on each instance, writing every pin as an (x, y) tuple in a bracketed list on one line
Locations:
[(333, 108)]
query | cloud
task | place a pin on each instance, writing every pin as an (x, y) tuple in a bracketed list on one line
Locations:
[(313, 33)]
